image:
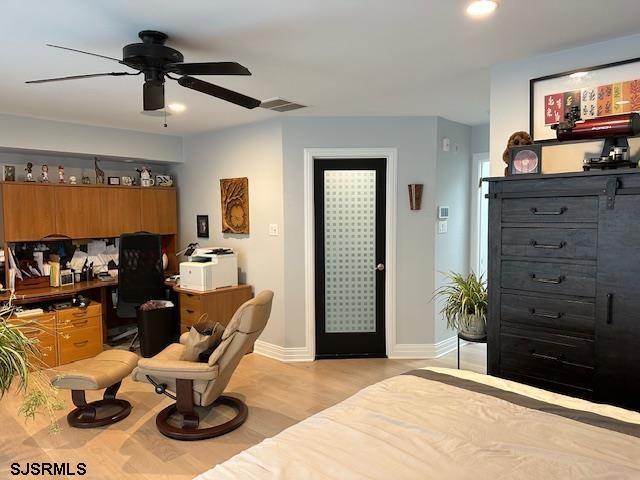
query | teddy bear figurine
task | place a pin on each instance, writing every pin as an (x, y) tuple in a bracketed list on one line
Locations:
[(515, 140)]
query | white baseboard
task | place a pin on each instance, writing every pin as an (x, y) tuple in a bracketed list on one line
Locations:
[(424, 350), (283, 354)]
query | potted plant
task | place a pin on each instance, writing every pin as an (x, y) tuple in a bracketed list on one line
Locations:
[(465, 304), (20, 361)]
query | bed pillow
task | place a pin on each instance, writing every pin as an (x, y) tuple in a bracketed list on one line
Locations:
[(197, 343)]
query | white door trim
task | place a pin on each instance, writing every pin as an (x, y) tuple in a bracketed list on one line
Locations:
[(476, 174), (391, 155)]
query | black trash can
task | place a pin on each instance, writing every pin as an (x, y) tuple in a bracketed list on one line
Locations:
[(156, 329)]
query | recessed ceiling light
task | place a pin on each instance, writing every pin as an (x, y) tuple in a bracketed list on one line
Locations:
[(177, 107), (579, 74), (480, 8)]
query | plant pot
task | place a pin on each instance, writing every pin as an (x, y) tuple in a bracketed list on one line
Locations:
[(475, 327)]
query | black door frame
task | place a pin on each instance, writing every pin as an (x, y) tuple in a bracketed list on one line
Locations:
[(361, 344)]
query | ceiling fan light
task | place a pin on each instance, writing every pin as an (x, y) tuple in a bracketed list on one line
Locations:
[(481, 8), (177, 107)]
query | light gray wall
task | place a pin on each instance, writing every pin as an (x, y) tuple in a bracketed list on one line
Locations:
[(453, 188), (415, 139), (253, 151), (510, 98), (34, 134), (480, 139)]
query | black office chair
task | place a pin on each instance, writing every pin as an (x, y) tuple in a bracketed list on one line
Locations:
[(140, 276)]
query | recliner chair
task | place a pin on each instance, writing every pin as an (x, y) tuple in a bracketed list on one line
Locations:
[(202, 384)]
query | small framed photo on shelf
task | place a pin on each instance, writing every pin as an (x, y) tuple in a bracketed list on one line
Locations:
[(525, 159), (9, 173), (114, 180), (202, 222)]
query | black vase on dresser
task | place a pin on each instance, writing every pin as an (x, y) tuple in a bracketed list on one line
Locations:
[(564, 283)]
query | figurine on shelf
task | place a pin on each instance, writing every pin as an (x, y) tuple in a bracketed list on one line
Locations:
[(145, 177), (86, 180), (61, 174), (99, 172), (29, 171), (73, 180), (44, 177)]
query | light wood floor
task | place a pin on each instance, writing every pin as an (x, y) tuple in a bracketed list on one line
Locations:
[(278, 395)]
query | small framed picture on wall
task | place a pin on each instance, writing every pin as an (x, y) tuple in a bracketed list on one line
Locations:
[(202, 222)]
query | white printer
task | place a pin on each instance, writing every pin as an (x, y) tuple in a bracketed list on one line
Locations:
[(209, 268)]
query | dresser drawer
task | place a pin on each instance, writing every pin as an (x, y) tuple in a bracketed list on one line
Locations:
[(191, 301), (559, 278), (189, 316), (571, 243), (537, 311), (74, 314), (550, 210), (78, 344), (78, 322), (549, 347)]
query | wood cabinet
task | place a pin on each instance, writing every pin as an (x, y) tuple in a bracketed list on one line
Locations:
[(28, 211), (219, 305), (32, 211), (79, 212), (42, 329), (158, 210), (564, 295)]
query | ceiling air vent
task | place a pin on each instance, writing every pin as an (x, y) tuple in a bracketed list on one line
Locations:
[(281, 105)]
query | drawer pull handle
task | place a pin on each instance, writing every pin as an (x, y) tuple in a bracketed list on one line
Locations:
[(559, 358), (554, 281), (560, 211), (189, 311), (554, 316), (609, 308), (80, 323), (79, 344), (80, 314), (556, 246)]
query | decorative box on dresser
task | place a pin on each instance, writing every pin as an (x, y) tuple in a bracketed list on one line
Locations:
[(564, 283)]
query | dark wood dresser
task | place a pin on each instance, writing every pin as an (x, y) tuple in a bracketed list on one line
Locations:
[(564, 283)]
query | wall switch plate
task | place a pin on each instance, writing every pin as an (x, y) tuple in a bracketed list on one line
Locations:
[(442, 226), (273, 229), (446, 144)]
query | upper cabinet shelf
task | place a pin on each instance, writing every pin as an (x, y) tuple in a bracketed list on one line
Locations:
[(33, 211)]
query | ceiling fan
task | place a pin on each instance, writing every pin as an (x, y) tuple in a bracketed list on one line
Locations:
[(156, 61)]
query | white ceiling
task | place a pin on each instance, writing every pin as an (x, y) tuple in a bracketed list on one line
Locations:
[(341, 57)]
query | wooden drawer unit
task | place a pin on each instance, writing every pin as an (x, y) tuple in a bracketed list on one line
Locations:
[(79, 333), (553, 313), (41, 328), (550, 210), (569, 243), (192, 301), (79, 343), (189, 316), (545, 277)]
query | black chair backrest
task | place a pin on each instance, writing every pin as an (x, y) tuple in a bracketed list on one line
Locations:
[(140, 273)]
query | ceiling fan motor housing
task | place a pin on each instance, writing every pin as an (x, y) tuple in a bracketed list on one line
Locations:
[(150, 55)]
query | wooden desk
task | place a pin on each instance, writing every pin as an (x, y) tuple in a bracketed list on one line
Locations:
[(219, 305)]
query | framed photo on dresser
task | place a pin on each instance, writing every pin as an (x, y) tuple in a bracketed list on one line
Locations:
[(597, 91)]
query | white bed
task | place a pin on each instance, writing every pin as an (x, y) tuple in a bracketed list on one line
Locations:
[(448, 424)]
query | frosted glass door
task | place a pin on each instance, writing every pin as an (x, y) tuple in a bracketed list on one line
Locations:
[(350, 256), (349, 206)]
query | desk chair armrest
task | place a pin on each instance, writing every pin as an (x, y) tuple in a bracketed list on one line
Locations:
[(178, 369)]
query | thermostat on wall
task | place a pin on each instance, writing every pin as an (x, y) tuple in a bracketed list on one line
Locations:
[(443, 212)]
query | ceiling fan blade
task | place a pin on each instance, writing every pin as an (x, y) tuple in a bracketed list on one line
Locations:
[(219, 92), (153, 95), (79, 77), (86, 53), (208, 68)]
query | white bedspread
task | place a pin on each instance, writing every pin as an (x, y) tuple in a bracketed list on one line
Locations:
[(408, 427)]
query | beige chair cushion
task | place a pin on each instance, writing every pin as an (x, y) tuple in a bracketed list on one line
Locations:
[(196, 342), (103, 370), (167, 364)]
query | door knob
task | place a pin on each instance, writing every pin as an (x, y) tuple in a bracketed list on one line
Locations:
[(380, 267)]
